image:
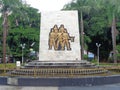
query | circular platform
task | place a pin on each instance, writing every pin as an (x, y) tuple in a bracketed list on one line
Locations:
[(77, 63)]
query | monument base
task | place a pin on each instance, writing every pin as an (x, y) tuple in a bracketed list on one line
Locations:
[(48, 64), (59, 69)]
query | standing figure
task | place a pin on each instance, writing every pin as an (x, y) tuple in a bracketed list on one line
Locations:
[(61, 28), (51, 39), (66, 39), (59, 38), (59, 41), (56, 36), (60, 45)]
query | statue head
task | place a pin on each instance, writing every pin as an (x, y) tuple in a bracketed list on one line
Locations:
[(55, 28), (61, 26)]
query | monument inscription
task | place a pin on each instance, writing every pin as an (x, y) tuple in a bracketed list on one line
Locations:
[(59, 36)]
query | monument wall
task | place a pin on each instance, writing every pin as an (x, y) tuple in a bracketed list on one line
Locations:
[(59, 36)]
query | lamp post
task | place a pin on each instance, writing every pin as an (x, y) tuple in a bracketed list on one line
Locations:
[(23, 46), (98, 46)]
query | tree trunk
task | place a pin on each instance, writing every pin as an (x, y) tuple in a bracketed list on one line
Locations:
[(82, 37), (113, 31), (5, 27)]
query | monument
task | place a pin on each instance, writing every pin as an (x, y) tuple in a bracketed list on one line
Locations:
[(59, 36), (59, 51)]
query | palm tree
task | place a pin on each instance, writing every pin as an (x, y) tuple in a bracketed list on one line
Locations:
[(7, 7), (83, 6), (113, 9), (114, 31)]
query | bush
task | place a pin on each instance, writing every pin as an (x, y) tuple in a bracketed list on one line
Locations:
[(118, 57), (85, 57)]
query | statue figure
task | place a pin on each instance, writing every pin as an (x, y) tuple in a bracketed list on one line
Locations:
[(55, 28), (66, 39), (53, 37), (61, 28), (59, 38)]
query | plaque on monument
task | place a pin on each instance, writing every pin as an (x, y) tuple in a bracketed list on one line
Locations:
[(59, 36)]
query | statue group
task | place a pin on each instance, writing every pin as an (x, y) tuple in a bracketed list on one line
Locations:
[(59, 38)]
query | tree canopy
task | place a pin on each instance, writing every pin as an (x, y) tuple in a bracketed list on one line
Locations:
[(98, 16), (23, 27)]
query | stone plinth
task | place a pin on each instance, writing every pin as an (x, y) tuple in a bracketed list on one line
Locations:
[(71, 47)]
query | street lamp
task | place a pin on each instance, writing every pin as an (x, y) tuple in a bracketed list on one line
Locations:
[(23, 46), (98, 45)]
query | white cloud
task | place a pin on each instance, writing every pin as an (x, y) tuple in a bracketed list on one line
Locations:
[(48, 5)]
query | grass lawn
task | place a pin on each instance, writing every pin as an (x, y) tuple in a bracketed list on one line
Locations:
[(8, 65)]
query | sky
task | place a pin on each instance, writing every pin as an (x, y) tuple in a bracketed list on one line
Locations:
[(48, 5)]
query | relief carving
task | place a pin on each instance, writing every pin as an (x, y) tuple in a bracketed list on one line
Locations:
[(59, 38)]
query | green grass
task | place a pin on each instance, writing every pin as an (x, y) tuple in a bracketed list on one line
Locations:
[(8, 65), (104, 63), (109, 64)]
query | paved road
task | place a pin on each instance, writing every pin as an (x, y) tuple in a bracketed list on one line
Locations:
[(105, 87)]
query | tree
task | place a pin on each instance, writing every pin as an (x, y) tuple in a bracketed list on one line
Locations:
[(98, 22), (113, 27), (27, 31), (112, 10), (82, 6), (16, 16), (7, 7)]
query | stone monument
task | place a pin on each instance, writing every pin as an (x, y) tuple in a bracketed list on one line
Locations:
[(59, 36)]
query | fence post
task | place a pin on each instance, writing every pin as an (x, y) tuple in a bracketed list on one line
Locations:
[(35, 73)]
